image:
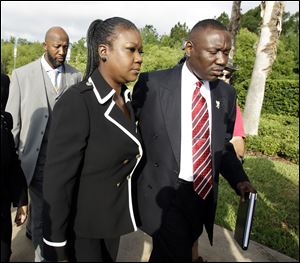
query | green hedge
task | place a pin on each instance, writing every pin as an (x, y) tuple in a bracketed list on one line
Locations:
[(277, 136), (281, 96)]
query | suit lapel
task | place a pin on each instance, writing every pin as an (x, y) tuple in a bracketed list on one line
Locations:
[(116, 116), (171, 107), (41, 81), (218, 107), (104, 93), (67, 78)]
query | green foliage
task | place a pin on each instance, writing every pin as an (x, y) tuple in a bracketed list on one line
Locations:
[(281, 96), (7, 60), (252, 20), (245, 55), (290, 23), (156, 57), (291, 42), (26, 53), (165, 41), (178, 34), (79, 55), (285, 65), (278, 135), (276, 219), (224, 19), (149, 35), (282, 85)]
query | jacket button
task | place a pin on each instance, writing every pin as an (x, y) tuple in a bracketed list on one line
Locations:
[(156, 165), (42, 132), (46, 116), (118, 184), (37, 149), (128, 177), (125, 161), (155, 136)]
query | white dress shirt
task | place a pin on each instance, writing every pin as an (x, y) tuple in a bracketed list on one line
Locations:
[(52, 72), (188, 85)]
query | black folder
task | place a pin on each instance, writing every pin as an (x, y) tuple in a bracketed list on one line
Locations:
[(244, 220)]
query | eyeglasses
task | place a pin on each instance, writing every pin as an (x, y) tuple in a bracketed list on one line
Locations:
[(226, 76)]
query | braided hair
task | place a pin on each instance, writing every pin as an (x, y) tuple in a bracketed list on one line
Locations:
[(102, 32)]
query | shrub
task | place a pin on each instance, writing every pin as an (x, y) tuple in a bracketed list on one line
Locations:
[(281, 96), (277, 136)]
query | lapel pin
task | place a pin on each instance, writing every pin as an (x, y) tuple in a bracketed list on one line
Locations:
[(217, 104)]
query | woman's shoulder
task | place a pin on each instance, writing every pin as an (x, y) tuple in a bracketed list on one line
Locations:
[(81, 87), (75, 93)]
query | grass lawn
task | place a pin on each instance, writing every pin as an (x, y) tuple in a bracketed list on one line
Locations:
[(276, 218)]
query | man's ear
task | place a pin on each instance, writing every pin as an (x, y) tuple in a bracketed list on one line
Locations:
[(45, 46), (188, 48), (102, 51)]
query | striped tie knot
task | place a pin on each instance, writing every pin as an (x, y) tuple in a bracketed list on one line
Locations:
[(198, 84)]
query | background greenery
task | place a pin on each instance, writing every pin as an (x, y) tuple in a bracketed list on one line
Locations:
[(276, 218), (276, 223), (278, 135)]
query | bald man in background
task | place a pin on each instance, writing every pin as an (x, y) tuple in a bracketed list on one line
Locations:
[(34, 90)]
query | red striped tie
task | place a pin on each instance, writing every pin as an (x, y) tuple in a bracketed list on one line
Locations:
[(202, 168)]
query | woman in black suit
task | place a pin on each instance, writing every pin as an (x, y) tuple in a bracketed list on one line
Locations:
[(93, 150)]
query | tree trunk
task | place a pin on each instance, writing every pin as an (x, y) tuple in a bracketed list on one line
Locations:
[(234, 25), (271, 12)]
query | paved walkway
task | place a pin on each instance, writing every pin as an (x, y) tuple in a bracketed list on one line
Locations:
[(136, 247)]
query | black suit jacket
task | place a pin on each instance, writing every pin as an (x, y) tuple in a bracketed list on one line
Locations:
[(13, 186), (5, 81), (157, 103), (93, 150)]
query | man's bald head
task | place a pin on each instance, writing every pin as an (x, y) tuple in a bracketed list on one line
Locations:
[(56, 46), (205, 24), (56, 32)]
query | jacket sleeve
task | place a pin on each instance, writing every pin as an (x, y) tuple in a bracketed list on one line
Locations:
[(231, 168), (17, 185), (67, 141), (17, 180)]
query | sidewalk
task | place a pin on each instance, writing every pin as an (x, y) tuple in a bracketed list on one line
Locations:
[(136, 247)]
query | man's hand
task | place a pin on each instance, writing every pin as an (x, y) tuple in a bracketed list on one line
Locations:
[(245, 187), (21, 215)]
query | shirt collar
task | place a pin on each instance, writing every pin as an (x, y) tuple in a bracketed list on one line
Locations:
[(47, 67), (190, 78)]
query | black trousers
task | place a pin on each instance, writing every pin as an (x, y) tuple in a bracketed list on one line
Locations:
[(182, 224), (5, 234), (96, 250)]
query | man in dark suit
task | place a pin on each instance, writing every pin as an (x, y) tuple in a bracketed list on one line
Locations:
[(13, 187), (172, 207)]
